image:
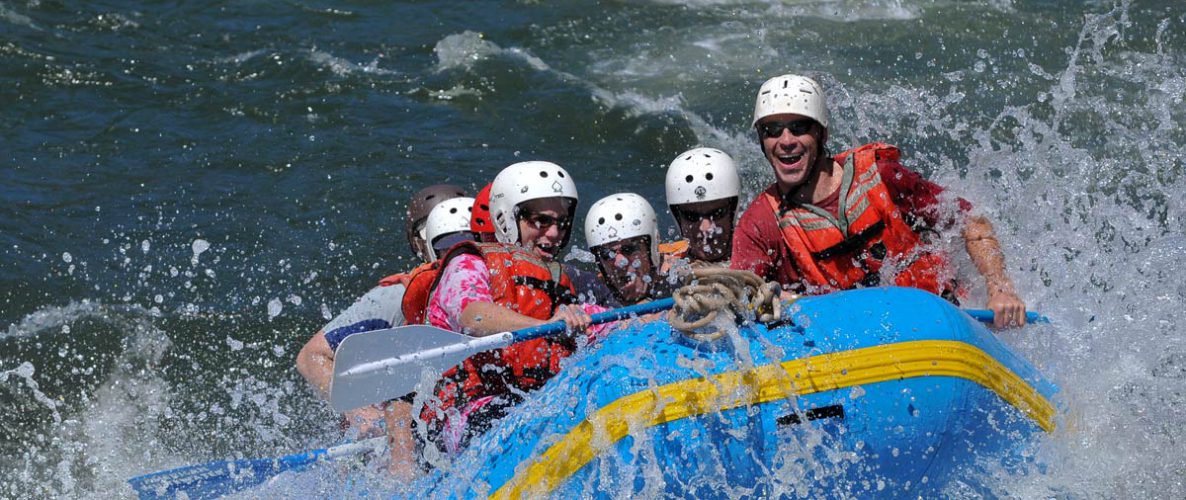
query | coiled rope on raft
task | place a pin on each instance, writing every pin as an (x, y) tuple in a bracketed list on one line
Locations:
[(712, 290)]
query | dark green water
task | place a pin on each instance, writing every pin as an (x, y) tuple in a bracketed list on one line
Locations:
[(188, 190)]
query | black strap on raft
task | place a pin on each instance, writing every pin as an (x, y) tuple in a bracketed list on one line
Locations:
[(831, 411)]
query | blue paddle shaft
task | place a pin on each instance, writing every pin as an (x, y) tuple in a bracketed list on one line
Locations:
[(215, 479), (986, 316), (599, 318)]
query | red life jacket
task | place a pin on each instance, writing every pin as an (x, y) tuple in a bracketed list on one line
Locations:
[(849, 250), (523, 283)]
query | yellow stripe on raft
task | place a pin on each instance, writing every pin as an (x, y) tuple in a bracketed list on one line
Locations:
[(671, 402)]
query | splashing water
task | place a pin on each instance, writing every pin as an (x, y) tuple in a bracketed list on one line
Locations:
[(160, 330)]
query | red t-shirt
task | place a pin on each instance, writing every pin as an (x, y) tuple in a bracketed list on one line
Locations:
[(758, 244)]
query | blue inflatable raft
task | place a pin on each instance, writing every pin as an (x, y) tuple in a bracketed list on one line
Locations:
[(879, 392)]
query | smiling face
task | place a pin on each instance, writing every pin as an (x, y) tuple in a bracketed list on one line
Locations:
[(627, 267), (792, 144), (544, 224), (708, 227)]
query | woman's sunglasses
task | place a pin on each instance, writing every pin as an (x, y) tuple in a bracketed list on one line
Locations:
[(545, 221)]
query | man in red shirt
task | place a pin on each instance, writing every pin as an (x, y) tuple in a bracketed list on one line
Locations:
[(855, 219)]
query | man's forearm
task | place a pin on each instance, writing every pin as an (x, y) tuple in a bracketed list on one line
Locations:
[(985, 252)]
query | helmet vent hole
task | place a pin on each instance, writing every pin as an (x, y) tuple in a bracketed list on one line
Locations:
[(708, 176), (600, 220), (688, 178), (561, 174), (617, 216), (543, 174), (452, 210)]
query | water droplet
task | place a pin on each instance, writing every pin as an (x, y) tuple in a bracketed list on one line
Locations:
[(856, 392), (200, 246)]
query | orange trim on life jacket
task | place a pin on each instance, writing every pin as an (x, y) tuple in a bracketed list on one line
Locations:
[(669, 253), (677, 248), (848, 249)]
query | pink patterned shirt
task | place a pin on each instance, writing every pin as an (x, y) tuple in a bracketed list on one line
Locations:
[(465, 280)]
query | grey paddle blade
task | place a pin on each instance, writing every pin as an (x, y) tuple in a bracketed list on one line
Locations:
[(376, 366)]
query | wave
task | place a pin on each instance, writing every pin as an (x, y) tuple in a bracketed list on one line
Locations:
[(13, 17), (832, 10), (344, 67), (58, 318), (465, 50)]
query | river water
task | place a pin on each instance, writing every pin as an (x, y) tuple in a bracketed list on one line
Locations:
[(188, 190)]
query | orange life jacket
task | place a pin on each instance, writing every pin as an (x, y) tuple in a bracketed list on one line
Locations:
[(522, 282), (849, 250), (670, 252), (403, 278), (419, 284), (677, 248)]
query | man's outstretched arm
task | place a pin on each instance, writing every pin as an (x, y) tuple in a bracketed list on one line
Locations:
[(985, 252)]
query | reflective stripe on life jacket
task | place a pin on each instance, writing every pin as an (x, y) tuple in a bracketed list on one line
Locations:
[(849, 249)]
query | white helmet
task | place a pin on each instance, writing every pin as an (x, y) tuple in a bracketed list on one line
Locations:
[(702, 174), (524, 181), (449, 216), (622, 216), (791, 94)]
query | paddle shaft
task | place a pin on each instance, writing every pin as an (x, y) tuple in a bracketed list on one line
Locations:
[(599, 318), (215, 479), (499, 340), (987, 316)]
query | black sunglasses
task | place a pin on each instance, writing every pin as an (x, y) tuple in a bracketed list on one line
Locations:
[(714, 214), (545, 221), (606, 254), (770, 130)]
